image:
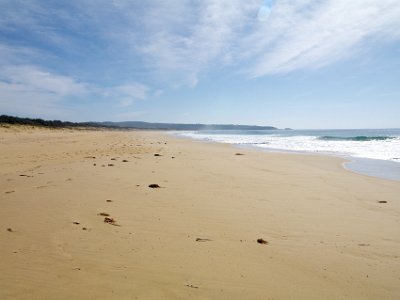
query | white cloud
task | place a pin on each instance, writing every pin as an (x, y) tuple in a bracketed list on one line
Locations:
[(26, 89), (15, 99), (189, 38), (158, 93), (28, 78), (133, 90), (313, 34), (29, 89), (177, 41), (127, 94)]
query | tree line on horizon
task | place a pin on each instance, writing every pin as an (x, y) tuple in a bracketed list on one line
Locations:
[(4, 119)]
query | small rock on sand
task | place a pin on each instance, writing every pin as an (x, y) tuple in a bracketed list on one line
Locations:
[(382, 201)]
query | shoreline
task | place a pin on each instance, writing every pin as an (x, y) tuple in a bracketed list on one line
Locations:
[(376, 168), (327, 234)]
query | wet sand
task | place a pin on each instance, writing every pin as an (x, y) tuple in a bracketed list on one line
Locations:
[(78, 220)]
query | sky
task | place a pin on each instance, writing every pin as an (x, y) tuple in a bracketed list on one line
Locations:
[(302, 64)]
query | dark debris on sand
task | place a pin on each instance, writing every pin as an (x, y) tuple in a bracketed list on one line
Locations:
[(103, 214), (192, 286), (110, 221), (203, 240), (262, 241), (154, 186)]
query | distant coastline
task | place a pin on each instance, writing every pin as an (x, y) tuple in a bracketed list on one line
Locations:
[(4, 119)]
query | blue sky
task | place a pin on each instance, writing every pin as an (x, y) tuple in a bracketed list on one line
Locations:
[(286, 63)]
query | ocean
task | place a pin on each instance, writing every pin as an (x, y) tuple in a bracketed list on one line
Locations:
[(374, 152)]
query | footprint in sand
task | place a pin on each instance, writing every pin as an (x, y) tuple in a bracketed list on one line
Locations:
[(59, 245), (41, 186)]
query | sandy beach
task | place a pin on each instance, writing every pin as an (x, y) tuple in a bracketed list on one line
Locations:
[(78, 220)]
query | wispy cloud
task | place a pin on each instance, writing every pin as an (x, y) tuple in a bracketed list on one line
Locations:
[(178, 41), (125, 94), (192, 37), (27, 89), (314, 34), (32, 79), (293, 35)]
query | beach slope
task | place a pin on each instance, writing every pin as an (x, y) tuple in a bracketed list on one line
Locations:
[(78, 220)]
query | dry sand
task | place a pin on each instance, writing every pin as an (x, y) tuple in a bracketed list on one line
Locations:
[(328, 237)]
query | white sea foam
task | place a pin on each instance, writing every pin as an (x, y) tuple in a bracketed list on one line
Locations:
[(385, 149)]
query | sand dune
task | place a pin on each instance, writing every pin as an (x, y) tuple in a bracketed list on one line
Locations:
[(78, 220)]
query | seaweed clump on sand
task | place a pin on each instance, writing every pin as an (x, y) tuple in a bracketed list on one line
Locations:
[(262, 241), (154, 186)]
